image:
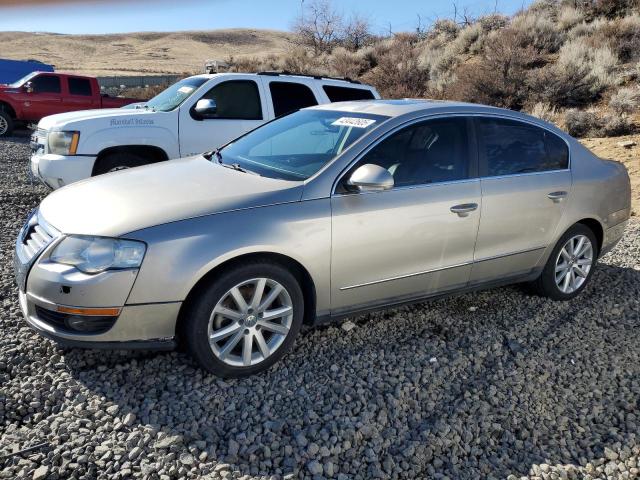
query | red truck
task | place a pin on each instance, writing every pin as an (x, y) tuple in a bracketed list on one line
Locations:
[(40, 94)]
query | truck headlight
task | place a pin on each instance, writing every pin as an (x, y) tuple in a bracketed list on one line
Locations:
[(63, 143), (97, 254)]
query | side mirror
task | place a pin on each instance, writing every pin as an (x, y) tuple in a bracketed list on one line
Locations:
[(370, 178), (206, 108), (28, 87)]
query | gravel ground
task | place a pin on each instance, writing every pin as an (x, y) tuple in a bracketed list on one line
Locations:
[(496, 384)]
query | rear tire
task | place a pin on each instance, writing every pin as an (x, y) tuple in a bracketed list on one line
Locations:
[(6, 124), (118, 161), (570, 265), (231, 332)]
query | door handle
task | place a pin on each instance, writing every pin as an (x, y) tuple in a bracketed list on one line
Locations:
[(557, 197), (464, 209)]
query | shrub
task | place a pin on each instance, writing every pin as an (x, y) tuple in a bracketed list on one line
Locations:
[(578, 77), (496, 77), (569, 17), (539, 31), (580, 123), (545, 112), (347, 64), (398, 73), (625, 100), (615, 125)]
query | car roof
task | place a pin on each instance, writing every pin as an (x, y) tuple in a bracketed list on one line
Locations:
[(396, 108)]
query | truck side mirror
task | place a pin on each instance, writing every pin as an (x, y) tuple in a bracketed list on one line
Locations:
[(28, 87), (205, 108)]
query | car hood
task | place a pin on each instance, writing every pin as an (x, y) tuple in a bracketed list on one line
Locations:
[(122, 202), (116, 117)]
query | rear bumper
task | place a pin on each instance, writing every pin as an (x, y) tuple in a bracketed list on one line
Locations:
[(150, 326), (56, 171), (612, 236)]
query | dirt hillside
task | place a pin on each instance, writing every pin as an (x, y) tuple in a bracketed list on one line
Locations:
[(144, 52)]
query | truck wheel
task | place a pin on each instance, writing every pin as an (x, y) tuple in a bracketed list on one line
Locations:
[(245, 320), (6, 124), (118, 161)]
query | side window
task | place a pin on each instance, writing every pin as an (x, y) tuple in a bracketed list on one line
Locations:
[(427, 152), (343, 94), (46, 84), (509, 147), (237, 100), (289, 96), (79, 86)]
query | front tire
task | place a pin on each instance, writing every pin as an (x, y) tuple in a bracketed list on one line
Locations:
[(570, 266), (118, 161), (245, 320), (6, 124)]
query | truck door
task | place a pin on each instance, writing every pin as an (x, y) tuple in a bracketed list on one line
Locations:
[(44, 99), (80, 95), (240, 107)]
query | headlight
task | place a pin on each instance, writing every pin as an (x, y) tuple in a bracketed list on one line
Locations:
[(97, 254), (63, 143)]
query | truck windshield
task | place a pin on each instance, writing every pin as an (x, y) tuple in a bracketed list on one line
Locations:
[(177, 93), (23, 80), (297, 146)]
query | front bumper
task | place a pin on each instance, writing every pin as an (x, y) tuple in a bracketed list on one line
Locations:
[(56, 171), (149, 326)]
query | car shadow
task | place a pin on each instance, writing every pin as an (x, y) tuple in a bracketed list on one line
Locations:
[(483, 385)]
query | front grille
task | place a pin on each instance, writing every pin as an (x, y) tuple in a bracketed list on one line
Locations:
[(35, 240), (41, 133), (74, 323)]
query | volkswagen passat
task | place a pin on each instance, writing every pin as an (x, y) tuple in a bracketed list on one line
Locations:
[(322, 213)]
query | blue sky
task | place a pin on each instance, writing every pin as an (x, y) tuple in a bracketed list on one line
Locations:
[(161, 15)]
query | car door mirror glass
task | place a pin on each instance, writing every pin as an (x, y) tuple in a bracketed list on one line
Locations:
[(370, 178), (28, 87), (206, 108)]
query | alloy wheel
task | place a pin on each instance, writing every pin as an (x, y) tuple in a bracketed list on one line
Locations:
[(250, 322), (574, 263), (4, 125)]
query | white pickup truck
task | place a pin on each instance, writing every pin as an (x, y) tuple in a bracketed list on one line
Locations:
[(197, 114)]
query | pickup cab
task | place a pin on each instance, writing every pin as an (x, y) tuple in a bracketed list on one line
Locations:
[(197, 114), (40, 94)]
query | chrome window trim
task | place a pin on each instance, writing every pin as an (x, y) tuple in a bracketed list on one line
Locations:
[(412, 187), (434, 116)]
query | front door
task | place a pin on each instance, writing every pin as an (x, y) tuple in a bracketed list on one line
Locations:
[(526, 183), (45, 99), (416, 238), (240, 108)]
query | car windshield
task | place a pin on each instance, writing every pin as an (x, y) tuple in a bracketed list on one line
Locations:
[(296, 146), (23, 80), (177, 93)]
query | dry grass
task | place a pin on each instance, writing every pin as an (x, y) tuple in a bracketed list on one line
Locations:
[(144, 52)]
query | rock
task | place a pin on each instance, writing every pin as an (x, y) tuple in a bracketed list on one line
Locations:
[(129, 419), (348, 326), (627, 144), (41, 473), (315, 467)]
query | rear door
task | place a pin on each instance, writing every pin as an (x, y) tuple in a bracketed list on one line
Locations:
[(45, 99), (287, 96), (526, 183), (80, 95), (240, 108)]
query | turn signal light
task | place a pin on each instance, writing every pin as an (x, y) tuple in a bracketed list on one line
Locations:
[(97, 312)]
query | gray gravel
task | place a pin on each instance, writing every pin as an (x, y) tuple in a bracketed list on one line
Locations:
[(496, 384)]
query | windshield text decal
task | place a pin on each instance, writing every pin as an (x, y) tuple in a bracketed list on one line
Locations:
[(353, 122)]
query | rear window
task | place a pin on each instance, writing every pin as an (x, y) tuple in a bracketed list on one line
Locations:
[(46, 84), (344, 94), (80, 86), (509, 147), (289, 96)]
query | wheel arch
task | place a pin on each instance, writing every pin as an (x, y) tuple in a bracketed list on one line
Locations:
[(299, 271), (153, 153), (596, 227), (8, 108)]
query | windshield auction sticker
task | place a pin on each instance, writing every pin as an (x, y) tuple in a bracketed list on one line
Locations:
[(353, 122)]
